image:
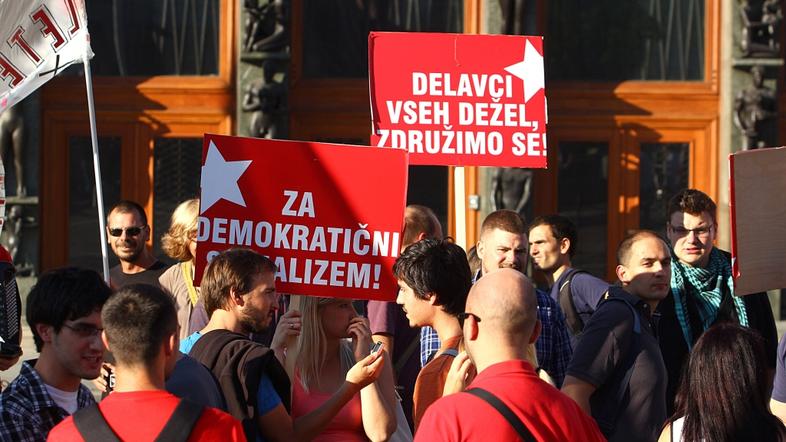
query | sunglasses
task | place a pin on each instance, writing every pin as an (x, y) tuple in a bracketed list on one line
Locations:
[(462, 316), (130, 231)]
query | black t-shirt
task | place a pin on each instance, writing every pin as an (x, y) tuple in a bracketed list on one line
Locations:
[(675, 349), (600, 358), (149, 276)]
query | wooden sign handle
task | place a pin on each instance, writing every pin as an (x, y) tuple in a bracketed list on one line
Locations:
[(293, 342)]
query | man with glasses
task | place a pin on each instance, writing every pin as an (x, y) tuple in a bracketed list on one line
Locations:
[(702, 289), (434, 280), (128, 234), (499, 323), (64, 313), (141, 331)]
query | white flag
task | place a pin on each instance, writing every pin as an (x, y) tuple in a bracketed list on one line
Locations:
[(38, 39)]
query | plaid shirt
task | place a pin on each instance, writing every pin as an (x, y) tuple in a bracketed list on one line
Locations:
[(553, 346), (429, 344), (27, 412)]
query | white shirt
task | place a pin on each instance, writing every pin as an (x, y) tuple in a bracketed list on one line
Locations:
[(64, 399)]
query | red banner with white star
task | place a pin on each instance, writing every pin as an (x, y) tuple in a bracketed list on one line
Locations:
[(330, 216), (458, 99)]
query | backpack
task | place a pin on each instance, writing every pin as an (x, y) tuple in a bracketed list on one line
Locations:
[(92, 426), (568, 306), (238, 364)]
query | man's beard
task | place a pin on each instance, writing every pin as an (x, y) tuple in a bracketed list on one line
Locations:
[(251, 322), (131, 256)]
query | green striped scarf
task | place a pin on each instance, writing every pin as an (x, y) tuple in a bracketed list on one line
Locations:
[(704, 287)]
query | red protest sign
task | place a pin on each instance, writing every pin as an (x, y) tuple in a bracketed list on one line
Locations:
[(330, 216), (457, 99)]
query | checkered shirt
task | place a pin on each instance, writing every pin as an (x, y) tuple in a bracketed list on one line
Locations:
[(27, 412), (553, 346), (429, 344)]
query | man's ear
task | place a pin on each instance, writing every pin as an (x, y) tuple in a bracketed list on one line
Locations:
[(473, 329), (46, 332), (235, 297), (564, 246), (622, 273), (535, 332), (172, 344), (432, 298), (421, 236), (479, 247), (105, 341)]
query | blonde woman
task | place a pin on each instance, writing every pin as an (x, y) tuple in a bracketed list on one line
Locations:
[(325, 357), (179, 243)]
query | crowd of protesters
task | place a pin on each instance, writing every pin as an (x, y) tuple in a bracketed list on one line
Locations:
[(471, 349)]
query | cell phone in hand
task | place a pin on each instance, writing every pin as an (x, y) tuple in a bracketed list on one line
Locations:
[(376, 347)]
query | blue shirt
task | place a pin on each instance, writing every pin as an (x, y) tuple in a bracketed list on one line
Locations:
[(429, 344), (188, 343), (553, 346), (267, 398), (586, 291)]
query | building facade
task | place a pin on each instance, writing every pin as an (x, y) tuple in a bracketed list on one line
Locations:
[(643, 96)]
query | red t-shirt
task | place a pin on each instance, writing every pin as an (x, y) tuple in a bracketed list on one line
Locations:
[(141, 415), (547, 413)]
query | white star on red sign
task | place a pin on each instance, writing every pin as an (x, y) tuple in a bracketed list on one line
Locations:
[(530, 70), (219, 179)]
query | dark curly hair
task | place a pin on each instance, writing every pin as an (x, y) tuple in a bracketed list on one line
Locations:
[(436, 267)]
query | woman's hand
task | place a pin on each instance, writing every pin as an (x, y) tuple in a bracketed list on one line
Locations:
[(360, 332), (288, 326), (366, 371), (458, 375)]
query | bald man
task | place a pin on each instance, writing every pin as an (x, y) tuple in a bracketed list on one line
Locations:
[(617, 372), (499, 323)]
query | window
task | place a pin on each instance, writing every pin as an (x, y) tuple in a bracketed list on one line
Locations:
[(154, 37), (612, 40)]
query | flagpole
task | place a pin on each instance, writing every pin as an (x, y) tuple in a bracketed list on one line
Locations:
[(460, 206), (96, 166)]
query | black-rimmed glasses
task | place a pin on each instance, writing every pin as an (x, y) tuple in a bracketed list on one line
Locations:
[(462, 316), (83, 330)]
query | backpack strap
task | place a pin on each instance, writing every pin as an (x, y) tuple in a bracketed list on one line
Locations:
[(181, 422), (505, 411), (568, 306), (628, 364), (92, 426), (450, 352)]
